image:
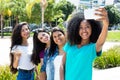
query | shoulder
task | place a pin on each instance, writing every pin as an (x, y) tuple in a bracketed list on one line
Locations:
[(67, 44)]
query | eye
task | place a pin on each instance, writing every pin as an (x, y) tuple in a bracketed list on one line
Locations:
[(27, 29), (87, 26), (59, 35), (54, 36), (43, 34), (40, 38), (80, 27)]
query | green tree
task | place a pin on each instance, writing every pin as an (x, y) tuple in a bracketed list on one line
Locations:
[(18, 9), (35, 16), (4, 7), (113, 14), (29, 6), (66, 7), (34, 12), (52, 12)]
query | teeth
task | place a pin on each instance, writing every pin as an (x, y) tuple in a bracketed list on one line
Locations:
[(59, 40), (84, 34)]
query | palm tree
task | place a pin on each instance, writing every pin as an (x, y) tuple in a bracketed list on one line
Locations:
[(30, 4), (43, 5), (4, 6)]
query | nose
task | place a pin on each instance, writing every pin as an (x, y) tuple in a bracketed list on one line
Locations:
[(57, 38), (45, 37), (84, 29)]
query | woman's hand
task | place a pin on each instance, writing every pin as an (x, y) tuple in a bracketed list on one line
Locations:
[(38, 77), (17, 54), (103, 16)]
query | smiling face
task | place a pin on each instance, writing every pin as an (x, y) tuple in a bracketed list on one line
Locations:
[(85, 30), (59, 38), (44, 37), (25, 32)]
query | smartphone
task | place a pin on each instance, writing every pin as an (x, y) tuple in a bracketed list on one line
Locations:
[(90, 14)]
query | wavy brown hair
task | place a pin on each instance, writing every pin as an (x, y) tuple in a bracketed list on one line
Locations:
[(16, 39)]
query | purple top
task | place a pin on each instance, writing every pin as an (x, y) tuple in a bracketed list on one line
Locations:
[(41, 54)]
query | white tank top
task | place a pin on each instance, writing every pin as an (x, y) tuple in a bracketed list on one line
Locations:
[(57, 62)]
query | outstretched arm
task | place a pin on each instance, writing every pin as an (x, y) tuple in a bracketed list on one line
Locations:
[(103, 34), (62, 67)]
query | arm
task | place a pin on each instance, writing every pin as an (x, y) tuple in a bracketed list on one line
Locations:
[(62, 67), (103, 34), (42, 75), (43, 67), (16, 59)]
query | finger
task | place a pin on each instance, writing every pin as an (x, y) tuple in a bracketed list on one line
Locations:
[(99, 19), (101, 15), (101, 11), (102, 19)]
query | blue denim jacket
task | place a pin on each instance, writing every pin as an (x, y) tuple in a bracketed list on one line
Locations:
[(48, 65)]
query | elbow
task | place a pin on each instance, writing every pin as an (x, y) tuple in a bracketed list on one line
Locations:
[(15, 66), (99, 46)]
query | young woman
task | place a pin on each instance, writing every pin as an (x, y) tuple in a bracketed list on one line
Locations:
[(41, 41), (85, 41), (21, 52), (53, 56)]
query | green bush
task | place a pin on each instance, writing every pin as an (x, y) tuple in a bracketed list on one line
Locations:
[(10, 34), (7, 34), (108, 59), (5, 73)]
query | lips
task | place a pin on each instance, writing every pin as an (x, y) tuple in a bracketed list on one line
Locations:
[(84, 34), (27, 34), (46, 39), (59, 41)]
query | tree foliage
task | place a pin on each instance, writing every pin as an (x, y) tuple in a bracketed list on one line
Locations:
[(113, 14), (66, 7), (52, 12), (30, 10)]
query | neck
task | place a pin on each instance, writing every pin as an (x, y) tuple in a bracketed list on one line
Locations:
[(25, 42), (83, 42), (48, 45), (61, 52), (60, 47)]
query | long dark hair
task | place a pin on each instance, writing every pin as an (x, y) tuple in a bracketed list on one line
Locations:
[(53, 45), (38, 46), (74, 26), (16, 39)]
